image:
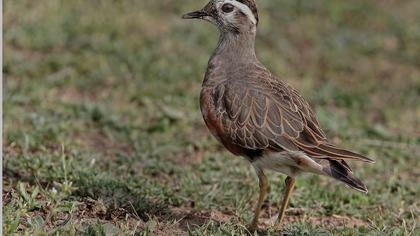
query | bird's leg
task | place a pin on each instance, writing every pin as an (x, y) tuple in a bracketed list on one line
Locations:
[(290, 184), (263, 182)]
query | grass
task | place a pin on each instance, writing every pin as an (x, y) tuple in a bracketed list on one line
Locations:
[(103, 134)]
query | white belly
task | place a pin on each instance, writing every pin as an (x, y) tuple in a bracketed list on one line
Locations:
[(288, 163)]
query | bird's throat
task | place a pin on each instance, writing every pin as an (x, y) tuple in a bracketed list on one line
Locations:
[(236, 47)]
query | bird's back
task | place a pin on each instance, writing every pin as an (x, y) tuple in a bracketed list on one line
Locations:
[(249, 97)]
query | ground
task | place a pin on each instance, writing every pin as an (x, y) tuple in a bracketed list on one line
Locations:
[(103, 133)]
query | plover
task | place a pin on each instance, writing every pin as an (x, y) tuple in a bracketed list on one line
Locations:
[(256, 115)]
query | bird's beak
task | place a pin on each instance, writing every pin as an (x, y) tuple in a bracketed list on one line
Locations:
[(200, 14)]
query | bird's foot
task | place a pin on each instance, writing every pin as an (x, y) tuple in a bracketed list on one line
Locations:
[(278, 223), (252, 228), (278, 227)]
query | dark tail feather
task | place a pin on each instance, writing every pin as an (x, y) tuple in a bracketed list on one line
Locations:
[(340, 171)]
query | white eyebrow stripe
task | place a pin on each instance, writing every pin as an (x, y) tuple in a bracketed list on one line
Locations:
[(244, 8)]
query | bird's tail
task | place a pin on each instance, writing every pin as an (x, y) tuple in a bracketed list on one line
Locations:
[(340, 170)]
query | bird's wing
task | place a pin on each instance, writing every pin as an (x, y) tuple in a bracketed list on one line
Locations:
[(260, 114)]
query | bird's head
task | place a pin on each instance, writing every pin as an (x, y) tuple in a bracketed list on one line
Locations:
[(230, 16)]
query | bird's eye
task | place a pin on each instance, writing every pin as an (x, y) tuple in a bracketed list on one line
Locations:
[(227, 8)]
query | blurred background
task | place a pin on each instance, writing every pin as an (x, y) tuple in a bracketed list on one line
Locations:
[(103, 134)]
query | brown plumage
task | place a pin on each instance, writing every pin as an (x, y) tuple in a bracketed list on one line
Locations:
[(256, 115)]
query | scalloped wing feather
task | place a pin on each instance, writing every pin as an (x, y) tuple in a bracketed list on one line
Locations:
[(261, 113)]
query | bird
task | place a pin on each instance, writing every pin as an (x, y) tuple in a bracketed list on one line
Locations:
[(259, 116)]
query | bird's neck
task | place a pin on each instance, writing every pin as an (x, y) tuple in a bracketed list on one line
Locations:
[(234, 52), (235, 48)]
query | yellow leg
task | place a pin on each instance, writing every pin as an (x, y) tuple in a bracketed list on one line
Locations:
[(290, 184), (263, 190)]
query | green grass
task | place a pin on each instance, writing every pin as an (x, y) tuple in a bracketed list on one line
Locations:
[(103, 134)]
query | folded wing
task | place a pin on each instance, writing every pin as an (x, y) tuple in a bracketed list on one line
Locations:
[(269, 114)]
